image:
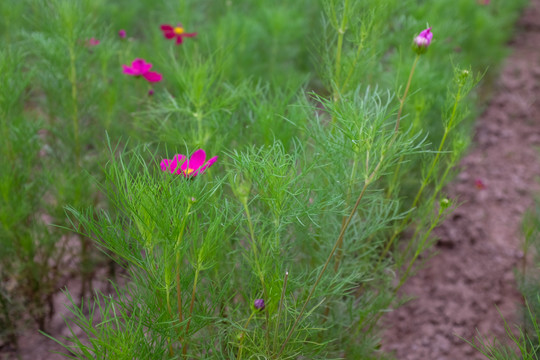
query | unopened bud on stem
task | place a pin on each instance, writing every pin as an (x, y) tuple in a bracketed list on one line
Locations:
[(422, 41)]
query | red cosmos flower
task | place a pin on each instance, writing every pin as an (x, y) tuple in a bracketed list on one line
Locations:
[(193, 166), (139, 67), (178, 32)]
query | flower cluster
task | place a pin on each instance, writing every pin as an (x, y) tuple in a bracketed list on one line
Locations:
[(139, 67)]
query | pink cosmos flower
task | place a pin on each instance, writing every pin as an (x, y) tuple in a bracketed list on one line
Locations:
[(139, 67), (193, 166), (178, 32), (93, 42), (122, 33)]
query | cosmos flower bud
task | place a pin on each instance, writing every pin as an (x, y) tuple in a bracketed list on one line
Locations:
[(122, 33), (444, 203), (422, 41), (259, 304)]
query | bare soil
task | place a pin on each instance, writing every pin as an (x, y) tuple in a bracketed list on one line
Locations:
[(469, 284)]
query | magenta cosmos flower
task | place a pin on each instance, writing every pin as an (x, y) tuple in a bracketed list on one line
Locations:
[(139, 67), (423, 40), (122, 33), (178, 32), (193, 166), (93, 42)]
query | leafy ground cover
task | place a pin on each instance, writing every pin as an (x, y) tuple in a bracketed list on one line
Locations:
[(250, 171)]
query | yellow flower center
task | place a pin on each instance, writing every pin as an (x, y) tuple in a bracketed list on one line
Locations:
[(188, 171), (178, 30)]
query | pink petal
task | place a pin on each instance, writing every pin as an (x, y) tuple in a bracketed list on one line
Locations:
[(141, 65), (177, 162), (152, 76), (130, 71), (197, 159), (168, 31), (207, 165), (179, 39), (165, 164), (190, 34), (427, 34)]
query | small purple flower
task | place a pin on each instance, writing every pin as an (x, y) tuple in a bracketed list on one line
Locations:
[(259, 304), (422, 41), (122, 33), (150, 92)]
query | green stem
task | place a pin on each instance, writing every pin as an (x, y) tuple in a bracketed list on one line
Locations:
[(418, 251), (281, 300), (402, 100), (74, 96), (178, 263), (339, 50), (243, 335), (427, 178), (352, 67), (256, 256), (169, 308), (195, 281), (391, 186), (254, 246), (347, 199), (199, 117)]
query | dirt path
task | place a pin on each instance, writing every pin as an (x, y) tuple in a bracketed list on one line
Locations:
[(479, 247)]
